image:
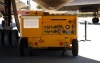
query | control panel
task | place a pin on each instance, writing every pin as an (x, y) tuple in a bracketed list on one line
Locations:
[(60, 25)]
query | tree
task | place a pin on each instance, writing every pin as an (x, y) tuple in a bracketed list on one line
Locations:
[(24, 7), (39, 7)]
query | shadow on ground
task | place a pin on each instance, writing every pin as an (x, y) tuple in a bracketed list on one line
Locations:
[(11, 55)]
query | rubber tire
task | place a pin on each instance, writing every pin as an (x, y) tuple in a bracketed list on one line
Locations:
[(95, 20), (23, 46), (75, 47), (1, 37), (7, 38), (3, 23), (14, 38)]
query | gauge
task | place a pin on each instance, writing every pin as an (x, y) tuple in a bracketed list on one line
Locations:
[(67, 26), (55, 26), (55, 31), (63, 31)]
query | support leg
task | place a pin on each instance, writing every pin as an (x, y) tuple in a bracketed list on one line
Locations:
[(64, 53), (7, 12)]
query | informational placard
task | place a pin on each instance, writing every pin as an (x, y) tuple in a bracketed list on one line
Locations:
[(31, 23)]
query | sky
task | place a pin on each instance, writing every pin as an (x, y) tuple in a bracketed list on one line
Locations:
[(33, 4)]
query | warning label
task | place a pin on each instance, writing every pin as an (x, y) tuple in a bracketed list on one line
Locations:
[(31, 23)]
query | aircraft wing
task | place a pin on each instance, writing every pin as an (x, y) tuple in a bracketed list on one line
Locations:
[(82, 5)]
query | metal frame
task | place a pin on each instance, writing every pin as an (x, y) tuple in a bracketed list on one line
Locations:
[(7, 11)]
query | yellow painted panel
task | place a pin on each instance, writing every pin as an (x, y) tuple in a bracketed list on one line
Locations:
[(51, 31), (31, 32), (52, 41)]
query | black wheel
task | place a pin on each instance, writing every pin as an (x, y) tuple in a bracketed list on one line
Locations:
[(3, 23), (1, 37), (75, 47), (23, 47), (95, 20), (14, 38), (7, 38)]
